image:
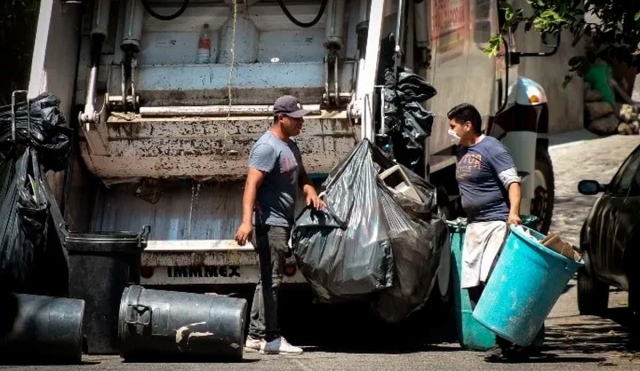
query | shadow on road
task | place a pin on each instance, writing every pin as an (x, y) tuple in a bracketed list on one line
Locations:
[(593, 335)]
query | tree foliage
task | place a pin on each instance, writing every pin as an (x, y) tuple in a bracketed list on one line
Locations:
[(613, 34)]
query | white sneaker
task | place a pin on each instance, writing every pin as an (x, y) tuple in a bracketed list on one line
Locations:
[(254, 344), (280, 346)]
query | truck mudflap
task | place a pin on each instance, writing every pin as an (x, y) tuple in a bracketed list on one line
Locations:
[(205, 262)]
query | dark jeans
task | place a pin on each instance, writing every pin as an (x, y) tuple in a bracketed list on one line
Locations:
[(271, 246)]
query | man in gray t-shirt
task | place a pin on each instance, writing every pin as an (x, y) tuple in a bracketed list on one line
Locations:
[(275, 175)]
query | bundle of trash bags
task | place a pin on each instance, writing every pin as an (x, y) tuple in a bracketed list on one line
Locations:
[(406, 121), (34, 138), (372, 242)]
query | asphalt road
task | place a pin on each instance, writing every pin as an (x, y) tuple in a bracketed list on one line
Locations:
[(343, 340)]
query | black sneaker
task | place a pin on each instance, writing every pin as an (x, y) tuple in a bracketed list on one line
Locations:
[(495, 354)]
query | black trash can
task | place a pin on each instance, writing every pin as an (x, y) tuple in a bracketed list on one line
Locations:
[(158, 325), (40, 329), (101, 266)]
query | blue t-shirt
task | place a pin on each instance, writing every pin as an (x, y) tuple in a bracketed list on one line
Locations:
[(281, 162), (484, 197)]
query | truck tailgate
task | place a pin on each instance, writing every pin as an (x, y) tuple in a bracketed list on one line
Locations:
[(188, 262)]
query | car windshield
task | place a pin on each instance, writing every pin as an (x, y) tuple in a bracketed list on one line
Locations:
[(628, 176)]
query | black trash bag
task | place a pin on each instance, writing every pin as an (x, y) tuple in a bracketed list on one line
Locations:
[(344, 250), (416, 232), (23, 224), (419, 235), (40, 125), (32, 258), (406, 122), (416, 252)]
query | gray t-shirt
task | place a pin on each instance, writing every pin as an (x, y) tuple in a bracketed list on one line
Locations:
[(281, 162)]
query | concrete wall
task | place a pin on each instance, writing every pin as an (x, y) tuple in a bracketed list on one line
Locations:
[(566, 105)]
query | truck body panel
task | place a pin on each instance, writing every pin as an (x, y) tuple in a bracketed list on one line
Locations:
[(169, 140)]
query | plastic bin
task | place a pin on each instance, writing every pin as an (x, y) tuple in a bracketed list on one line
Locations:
[(471, 334), (101, 266), (524, 286)]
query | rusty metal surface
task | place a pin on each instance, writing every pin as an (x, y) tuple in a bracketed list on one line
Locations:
[(208, 147), (184, 210), (199, 258)]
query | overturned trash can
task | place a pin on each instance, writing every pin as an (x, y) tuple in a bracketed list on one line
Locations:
[(101, 266), (40, 329), (156, 324), (471, 334)]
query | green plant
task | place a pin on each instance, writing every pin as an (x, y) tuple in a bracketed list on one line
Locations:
[(614, 35)]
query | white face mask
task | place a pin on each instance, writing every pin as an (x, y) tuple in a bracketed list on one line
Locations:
[(453, 136)]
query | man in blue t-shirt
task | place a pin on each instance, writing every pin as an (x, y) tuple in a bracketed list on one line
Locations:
[(275, 176), (490, 191)]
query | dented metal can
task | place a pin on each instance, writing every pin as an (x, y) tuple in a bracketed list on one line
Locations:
[(158, 324)]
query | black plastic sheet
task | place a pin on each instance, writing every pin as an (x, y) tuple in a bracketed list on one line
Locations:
[(371, 243), (38, 142)]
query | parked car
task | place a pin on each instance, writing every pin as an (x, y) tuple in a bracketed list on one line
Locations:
[(610, 239)]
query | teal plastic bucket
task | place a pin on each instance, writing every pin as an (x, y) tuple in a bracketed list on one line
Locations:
[(526, 283), (471, 334)]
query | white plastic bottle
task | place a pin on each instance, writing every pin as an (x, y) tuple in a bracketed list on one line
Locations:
[(204, 46)]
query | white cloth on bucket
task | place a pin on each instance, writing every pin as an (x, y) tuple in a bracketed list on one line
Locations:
[(482, 244)]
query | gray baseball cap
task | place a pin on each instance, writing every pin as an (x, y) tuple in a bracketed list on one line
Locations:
[(288, 105)]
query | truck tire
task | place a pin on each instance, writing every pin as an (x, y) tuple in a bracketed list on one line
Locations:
[(544, 190), (593, 295)]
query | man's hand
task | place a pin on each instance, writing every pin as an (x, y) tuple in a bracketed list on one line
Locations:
[(315, 201), (244, 233), (514, 219)]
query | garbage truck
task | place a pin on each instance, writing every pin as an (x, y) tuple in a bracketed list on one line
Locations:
[(168, 96)]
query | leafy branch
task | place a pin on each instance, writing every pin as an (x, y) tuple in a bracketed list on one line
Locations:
[(614, 35)]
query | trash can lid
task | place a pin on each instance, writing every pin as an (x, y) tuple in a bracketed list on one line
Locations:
[(104, 242)]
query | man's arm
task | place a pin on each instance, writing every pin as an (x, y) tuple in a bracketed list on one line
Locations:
[(254, 179), (304, 182), (515, 195), (503, 164), (309, 190)]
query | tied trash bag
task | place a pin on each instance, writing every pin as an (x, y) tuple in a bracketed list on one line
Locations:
[(370, 242), (32, 259)]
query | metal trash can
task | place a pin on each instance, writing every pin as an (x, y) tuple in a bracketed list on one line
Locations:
[(158, 324), (101, 266), (40, 329)]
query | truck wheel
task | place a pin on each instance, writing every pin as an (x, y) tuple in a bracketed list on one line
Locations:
[(544, 190), (593, 295)]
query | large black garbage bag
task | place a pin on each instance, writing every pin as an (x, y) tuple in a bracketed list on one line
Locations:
[(343, 251), (29, 216), (23, 224), (416, 252)]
